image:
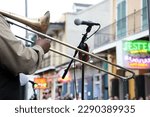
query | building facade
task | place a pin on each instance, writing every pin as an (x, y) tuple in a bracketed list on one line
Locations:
[(121, 21), (130, 23)]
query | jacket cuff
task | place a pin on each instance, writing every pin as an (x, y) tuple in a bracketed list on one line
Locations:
[(40, 53)]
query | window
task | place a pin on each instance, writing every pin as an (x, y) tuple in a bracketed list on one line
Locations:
[(121, 19), (144, 15)]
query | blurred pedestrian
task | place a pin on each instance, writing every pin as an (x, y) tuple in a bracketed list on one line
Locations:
[(111, 98), (67, 97), (16, 58), (116, 98), (77, 97), (47, 94), (140, 98), (127, 96)]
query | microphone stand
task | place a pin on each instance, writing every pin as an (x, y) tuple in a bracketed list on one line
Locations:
[(80, 47)]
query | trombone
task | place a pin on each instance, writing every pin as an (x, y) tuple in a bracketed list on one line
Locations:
[(40, 27)]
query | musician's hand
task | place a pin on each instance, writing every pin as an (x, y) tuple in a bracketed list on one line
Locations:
[(44, 43)]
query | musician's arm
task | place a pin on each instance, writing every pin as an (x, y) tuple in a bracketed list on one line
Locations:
[(14, 55)]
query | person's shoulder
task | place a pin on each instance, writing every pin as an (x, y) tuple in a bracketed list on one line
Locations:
[(3, 20), (2, 17)]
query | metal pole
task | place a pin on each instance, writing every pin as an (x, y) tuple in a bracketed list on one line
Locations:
[(26, 15), (26, 33), (82, 97), (26, 8)]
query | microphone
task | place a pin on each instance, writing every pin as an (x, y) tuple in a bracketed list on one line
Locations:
[(80, 22)]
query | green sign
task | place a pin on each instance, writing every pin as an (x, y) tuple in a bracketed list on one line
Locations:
[(136, 46), (136, 54)]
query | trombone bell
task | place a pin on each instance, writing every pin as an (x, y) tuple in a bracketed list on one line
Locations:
[(40, 25), (43, 23)]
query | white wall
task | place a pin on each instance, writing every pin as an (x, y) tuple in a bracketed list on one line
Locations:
[(119, 53)]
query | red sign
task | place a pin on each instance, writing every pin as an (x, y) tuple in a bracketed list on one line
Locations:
[(41, 83)]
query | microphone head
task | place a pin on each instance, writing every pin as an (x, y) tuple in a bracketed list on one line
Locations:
[(77, 21)]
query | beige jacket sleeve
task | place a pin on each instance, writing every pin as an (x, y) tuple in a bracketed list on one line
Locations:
[(14, 55)]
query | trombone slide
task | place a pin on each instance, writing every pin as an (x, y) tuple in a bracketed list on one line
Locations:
[(39, 27)]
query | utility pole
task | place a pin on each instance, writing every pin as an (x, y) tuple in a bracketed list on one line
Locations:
[(26, 36), (26, 15)]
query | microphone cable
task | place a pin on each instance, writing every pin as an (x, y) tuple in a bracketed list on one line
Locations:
[(93, 33)]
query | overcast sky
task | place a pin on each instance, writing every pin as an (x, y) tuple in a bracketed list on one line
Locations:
[(37, 8)]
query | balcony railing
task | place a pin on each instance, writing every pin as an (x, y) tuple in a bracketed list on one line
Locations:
[(130, 25)]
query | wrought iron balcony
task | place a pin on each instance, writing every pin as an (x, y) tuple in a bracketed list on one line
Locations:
[(127, 26)]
